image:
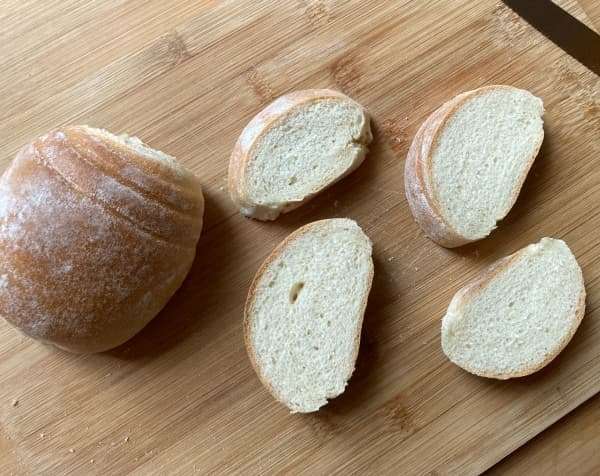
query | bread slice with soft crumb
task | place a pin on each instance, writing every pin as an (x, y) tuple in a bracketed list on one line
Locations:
[(517, 316), (468, 161), (304, 312), (296, 147)]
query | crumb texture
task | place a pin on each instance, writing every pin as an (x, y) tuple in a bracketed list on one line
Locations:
[(481, 156), (306, 316), (307, 149), (521, 318)]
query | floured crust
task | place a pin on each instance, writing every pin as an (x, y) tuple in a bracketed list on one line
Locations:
[(273, 114), (248, 308), (479, 283), (419, 185), (95, 238)]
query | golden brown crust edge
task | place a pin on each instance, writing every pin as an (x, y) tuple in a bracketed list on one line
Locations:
[(83, 267), (475, 286), (250, 303), (420, 192), (258, 125), (424, 210)]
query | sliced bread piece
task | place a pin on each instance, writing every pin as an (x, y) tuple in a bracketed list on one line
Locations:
[(517, 316), (304, 312), (468, 161), (297, 146)]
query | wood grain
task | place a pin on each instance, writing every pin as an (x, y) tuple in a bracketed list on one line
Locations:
[(591, 10), (570, 446), (186, 76)]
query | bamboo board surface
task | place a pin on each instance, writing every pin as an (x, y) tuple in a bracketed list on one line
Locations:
[(186, 76)]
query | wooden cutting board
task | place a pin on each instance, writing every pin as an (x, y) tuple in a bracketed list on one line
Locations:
[(186, 77)]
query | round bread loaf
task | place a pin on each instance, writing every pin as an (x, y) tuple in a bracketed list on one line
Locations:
[(97, 232)]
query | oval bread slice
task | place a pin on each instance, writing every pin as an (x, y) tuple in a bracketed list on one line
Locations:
[(518, 315), (468, 161), (304, 313), (297, 146)]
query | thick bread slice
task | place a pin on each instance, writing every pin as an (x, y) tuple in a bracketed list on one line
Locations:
[(304, 312), (297, 146), (468, 161), (518, 315)]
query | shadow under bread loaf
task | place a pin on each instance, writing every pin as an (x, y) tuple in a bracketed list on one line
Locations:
[(97, 232)]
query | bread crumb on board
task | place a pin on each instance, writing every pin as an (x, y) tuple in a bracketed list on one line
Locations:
[(71, 450), (15, 402), (42, 435), (126, 439)]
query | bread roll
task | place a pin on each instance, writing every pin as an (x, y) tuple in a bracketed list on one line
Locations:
[(97, 232)]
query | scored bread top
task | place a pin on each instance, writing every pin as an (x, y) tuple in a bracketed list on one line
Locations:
[(468, 161), (518, 315), (304, 312), (144, 185), (297, 146), (95, 237)]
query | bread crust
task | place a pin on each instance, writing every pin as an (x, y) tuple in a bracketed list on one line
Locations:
[(480, 282), (95, 238), (418, 181), (273, 114), (250, 300)]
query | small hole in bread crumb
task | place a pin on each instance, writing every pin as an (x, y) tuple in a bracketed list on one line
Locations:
[(295, 292)]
